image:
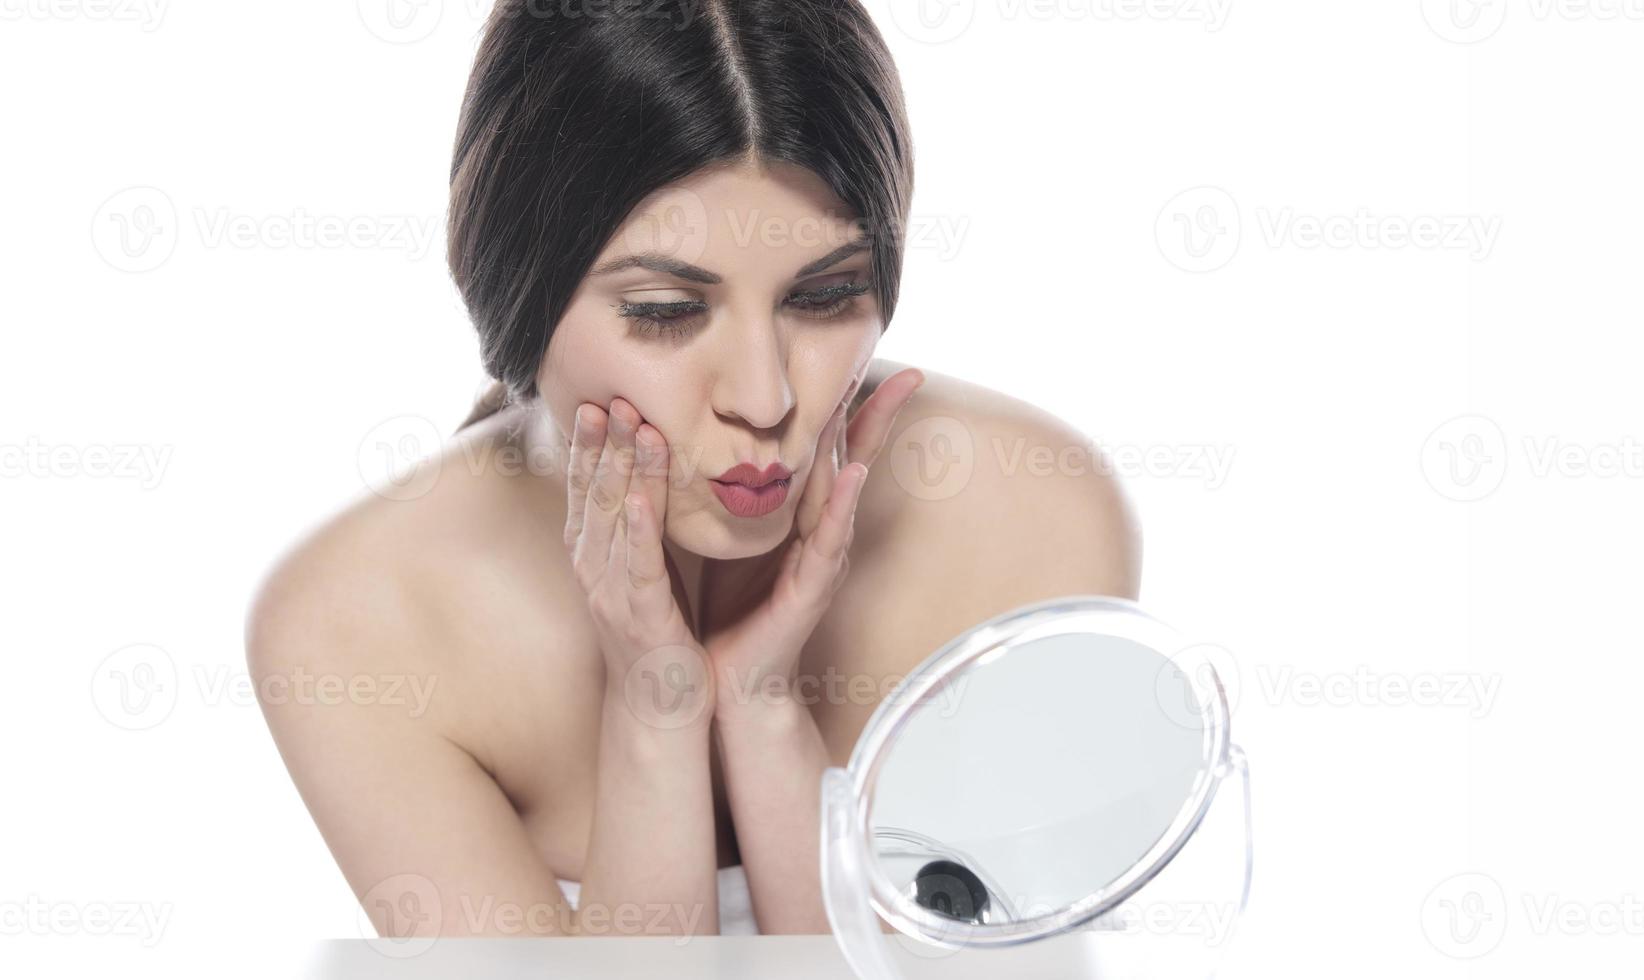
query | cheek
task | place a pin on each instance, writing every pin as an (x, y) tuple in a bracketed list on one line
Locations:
[(833, 371), (588, 364), (577, 368), (865, 335), (854, 356)]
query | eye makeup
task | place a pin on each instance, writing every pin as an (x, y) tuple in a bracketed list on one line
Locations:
[(678, 317), (826, 301)]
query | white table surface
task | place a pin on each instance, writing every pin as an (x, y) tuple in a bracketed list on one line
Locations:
[(1068, 957), (702, 958)]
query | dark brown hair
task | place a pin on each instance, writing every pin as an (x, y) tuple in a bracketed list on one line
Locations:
[(576, 110)]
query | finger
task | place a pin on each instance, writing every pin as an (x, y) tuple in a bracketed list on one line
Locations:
[(839, 444), (616, 559), (819, 482), (825, 550), (652, 459), (649, 591), (872, 424), (609, 485), (861, 376), (587, 439), (649, 580)]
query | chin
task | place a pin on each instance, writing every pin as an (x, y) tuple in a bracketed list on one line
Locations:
[(722, 541)]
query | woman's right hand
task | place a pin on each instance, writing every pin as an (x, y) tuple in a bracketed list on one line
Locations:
[(616, 495)]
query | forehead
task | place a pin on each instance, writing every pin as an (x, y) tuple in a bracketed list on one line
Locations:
[(730, 217)]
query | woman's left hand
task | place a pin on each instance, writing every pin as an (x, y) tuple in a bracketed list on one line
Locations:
[(755, 653)]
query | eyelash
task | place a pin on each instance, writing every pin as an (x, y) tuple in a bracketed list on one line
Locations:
[(673, 319)]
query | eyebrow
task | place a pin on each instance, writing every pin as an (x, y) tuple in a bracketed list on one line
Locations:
[(839, 254), (658, 262), (667, 265)]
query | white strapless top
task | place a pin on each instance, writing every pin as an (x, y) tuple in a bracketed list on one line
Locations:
[(736, 916)]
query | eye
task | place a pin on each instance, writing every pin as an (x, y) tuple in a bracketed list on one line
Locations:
[(671, 319), (824, 302), (676, 318)]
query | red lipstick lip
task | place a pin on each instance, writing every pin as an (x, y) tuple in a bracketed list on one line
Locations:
[(749, 475), (744, 501)]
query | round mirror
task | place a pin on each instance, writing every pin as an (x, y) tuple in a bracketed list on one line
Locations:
[(1036, 772)]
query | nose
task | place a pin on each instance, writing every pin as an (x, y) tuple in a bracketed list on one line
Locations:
[(752, 383)]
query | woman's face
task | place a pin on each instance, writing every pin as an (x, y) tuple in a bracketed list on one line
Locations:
[(734, 309)]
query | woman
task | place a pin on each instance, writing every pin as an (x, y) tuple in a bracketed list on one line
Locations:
[(656, 587)]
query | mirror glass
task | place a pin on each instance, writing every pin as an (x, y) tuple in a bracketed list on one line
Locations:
[(1036, 777)]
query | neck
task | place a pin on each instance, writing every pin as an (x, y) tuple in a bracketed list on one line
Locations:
[(687, 567), (721, 590)]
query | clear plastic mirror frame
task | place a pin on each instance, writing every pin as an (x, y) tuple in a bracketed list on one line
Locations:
[(848, 866)]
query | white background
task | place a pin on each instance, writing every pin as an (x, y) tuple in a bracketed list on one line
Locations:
[(1430, 449)]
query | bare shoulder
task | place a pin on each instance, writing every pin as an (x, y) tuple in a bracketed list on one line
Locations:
[(348, 591), (446, 580), (981, 502)]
